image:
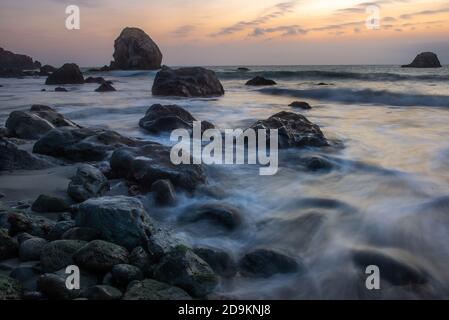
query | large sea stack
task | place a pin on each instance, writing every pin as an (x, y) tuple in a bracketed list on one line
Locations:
[(10, 60), (424, 60), (135, 50)]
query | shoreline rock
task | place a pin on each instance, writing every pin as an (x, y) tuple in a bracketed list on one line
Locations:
[(69, 73), (260, 81), (424, 60)]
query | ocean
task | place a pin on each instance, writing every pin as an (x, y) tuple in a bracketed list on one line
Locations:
[(387, 190)]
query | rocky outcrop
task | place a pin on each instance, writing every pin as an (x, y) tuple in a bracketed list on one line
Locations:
[(260, 81), (159, 118), (425, 60), (294, 130), (105, 87), (88, 182), (69, 73), (12, 158), (10, 60), (164, 192), (145, 165), (135, 50), (187, 82), (36, 122), (266, 263)]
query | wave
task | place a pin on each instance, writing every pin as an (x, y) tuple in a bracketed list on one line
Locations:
[(368, 96), (330, 75)]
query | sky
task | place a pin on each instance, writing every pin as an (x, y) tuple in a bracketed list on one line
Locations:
[(231, 32)]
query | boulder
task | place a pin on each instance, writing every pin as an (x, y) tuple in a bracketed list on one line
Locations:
[(36, 122), (260, 81), (425, 60), (30, 250), (10, 289), (45, 203), (12, 158), (61, 89), (183, 268), (123, 274), (135, 50), (121, 220), (59, 254), (98, 80), (9, 246), (101, 256), (263, 263), (81, 144), (294, 130), (69, 73), (149, 289), (141, 259), (164, 192), (244, 69), (88, 182), (10, 60), (105, 87), (187, 82), (220, 262), (33, 224), (316, 163), (82, 233), (159, 118), (59, 229), (147, 164), (300, 104), (223, 215), (103, 293), (47, 69), (27, 277)]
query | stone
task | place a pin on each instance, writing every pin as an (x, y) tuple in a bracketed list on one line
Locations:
[(103, 293), (10, 60), (222, 215), (300, 104), (263, 263), (27, 277), (294, 130), (12, 158), (164, 192), (425, 60), (47, 69), (123, 274), (181, 267), (149, 289), (243, 69), (10, 289), (9, 247), (187, 82), (45, 203), (316, 163), (105, 87), (33, 224), (82, 233), (101, 256), (59, 254), (54, 287), (30, 250), (69, 73), (98, 80), (142, 260), (220, 262), (121, 220), (260, 81), (88, 182), (135, 50), (60, 89), (59, 229)]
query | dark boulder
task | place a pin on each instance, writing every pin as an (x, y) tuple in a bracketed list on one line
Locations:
[(101, 256), (264, 263), (220, 262), (105, 87), (98, 80), (33, 224), (59, 229), (141, 259), (47, 69), (294, 130), (69, 73), (300, 104), (82, 233), (244, 69), (12, 60), (12, 158), (425, 60), (260, 81), (187, 82), (88, 182), (123, 274), (164, 192), (9, 247), (149, 289), (135, 50), (61, 89), (30, 250), (222, 215), (45, 203), (59, 254)]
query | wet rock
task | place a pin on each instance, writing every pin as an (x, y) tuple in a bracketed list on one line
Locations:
[(220, 262), (397, 266), (135, 50), (183, 268), (9, 59), (27, 277), (45, 203), (9, 246), (294, 130), (60, 89), (123, 274), (263, 263), (425, 60), (220, 214), (164, 192), (142, 260), (103, 293), (83, 234), (59, 229), (153, 290), (260, 81), (81, 144), (69, 73), (101, 256), (10, 289), (105, 87), (147, 164), (54, 287), (316, 164), (21, 237), (121, 220), (59, 254), (30, 250), (98, 80), (47, 69), (300, 104), (187, 82), (12, 158), (243, 69), (88, 182), (33, 224), (159, 118)]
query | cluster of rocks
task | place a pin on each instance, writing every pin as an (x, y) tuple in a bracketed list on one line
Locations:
[(16, 65)]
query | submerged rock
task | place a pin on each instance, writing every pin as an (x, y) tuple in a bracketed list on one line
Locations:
[(149, 289), (294, 130), (220, 262), (266, 263), (69, 73), (12, 158), (101, 256), (147, 164), (260, 81), (187, 82), (183, 268), (88, 182), (223, 215), (135, 50), (300, 104), (98, 80), (61, 89), (164, 192), (425, 60), (105, 87)]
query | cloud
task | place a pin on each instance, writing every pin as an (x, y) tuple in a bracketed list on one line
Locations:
[(273, 12), (361, 7), (291, 30), (424, 13), (183, 31)]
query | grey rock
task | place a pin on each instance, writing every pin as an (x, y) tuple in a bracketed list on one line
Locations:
[(46, 203), (59, 254), (149, 289), (69, 73), (59, 229), (123, 274), (88, 182), (260, 81), (222, 215), (33, 224), (220, 262), (9, 246), (30, 250), (12, 158), (26, 276), (61, 89), (101, 256), (142, 260), (263, 263), (300, 104), (164, 192), (82, 233), (425, 60)]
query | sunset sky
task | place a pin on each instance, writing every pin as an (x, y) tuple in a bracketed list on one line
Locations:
[(229, 32)]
